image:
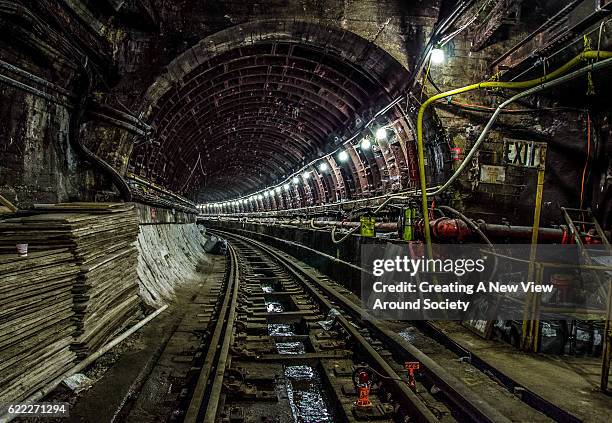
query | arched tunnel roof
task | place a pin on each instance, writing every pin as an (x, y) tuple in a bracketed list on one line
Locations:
[(249, 105)]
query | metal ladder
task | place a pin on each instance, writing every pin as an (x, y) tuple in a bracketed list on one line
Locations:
[(576, 218), (570, 214)]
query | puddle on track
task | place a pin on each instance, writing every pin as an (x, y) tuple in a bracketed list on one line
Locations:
[(280, 329), (305, 390), (296, 347), (274, 307), (267, 288), (408, 334)]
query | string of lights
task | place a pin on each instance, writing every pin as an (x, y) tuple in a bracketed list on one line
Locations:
[(303, 174)]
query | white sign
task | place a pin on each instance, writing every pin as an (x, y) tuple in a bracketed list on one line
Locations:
[(523, 153), (492, 174)]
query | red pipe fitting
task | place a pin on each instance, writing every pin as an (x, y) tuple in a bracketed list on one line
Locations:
[(445, 228)]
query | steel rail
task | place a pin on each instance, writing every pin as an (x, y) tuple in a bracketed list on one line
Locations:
[(216, 360), (462, 398), (527, 396)]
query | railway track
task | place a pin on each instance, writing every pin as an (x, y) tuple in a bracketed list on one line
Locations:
[(291, 345)]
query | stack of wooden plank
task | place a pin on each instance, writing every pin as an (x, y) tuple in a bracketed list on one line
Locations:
[(36, 320), (101, 238)]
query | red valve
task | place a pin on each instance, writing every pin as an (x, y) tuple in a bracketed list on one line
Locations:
[(364, 378)]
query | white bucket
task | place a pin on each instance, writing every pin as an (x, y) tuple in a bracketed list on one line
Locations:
[(22, 250)]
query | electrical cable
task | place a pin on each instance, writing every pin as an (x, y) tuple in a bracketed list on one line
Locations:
[(446, 39), (588, 158), (487, 109), (476, 229), (532, 86)]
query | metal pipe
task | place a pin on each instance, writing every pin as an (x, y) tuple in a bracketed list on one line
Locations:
[(46, 390), (77, 144), (12, 68), (160, 189), (117, 123), (379, 226), (491, 230), (352, 231), (542, 27), (107, 110), (35, 91)]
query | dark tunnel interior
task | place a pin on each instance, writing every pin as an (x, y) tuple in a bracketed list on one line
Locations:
[(307, 211)]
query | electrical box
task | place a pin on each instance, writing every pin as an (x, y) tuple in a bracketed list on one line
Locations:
[(368, 224)]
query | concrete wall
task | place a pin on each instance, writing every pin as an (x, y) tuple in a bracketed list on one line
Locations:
[(170, 250)]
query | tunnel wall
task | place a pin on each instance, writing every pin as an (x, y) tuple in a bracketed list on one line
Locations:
[(37, 164), (170, 248)]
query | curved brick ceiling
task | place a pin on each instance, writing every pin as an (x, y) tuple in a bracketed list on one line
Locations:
[(247, 117)]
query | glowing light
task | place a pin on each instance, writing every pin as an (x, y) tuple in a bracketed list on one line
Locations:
[(381, 133), (287, 186), (305, 175), (259, 197), (323, 167), (277, 189), (366, 144), (343, 156), (437, 56), (266, 194), (295, 180)]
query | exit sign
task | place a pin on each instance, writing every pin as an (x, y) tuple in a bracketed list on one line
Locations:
[(524, 153)]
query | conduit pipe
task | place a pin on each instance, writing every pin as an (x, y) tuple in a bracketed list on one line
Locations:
[(556, 78), (78, 145), (36, 79), (43, 392)]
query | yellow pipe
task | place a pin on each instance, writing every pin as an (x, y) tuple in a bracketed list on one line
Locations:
[(586, 55)]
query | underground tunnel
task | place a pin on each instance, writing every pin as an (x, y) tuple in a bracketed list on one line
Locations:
[(305, 211)]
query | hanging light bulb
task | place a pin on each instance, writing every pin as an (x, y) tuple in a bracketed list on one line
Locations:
[(365, 144), (323, 167), (381, 133), (287, 186), (305, 175), (266, 194), (295, 180), (437, 55), (343, 156), (277, 189), (260, 197)]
